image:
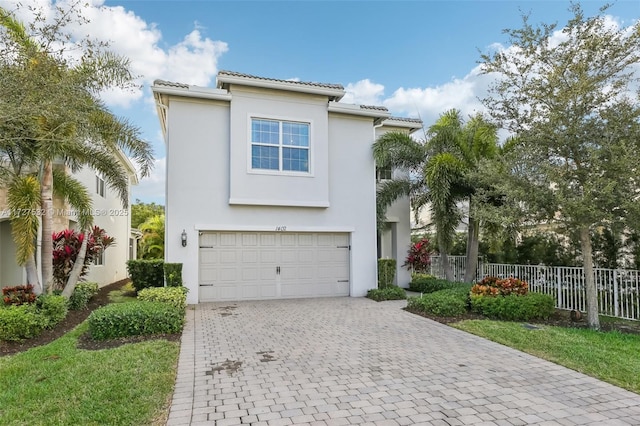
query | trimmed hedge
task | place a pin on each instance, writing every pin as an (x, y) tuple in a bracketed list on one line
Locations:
[(514, 307), (174, 296), (135, 318), (81, 295), (429, 284), (19, 322), (386, 272), (388, 293), (173, 274), (442, 303), (52, 308), (146, 273)]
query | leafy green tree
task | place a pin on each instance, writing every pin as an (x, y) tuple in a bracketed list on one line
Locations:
[(442, 174), (140, 212), (56, 114), (569, 97), (152, 243)]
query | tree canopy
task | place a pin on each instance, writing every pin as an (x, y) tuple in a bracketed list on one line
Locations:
[(569, 97)]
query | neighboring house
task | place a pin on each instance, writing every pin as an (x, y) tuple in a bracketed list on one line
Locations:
[(270, 189), (395, 238), (109, 214)]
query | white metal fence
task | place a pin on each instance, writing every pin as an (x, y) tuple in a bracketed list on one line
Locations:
[(618, 289)]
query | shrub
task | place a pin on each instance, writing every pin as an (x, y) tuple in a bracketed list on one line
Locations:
[(81, 295), (52, 308), (419, 256), (18, 322), (66, 246), (388, 293), (146, 273), (135, 318), (493, 286), (429, 284), (386, 272), (514, 307), (174, 296), (18, 295), (173, 274), (443, 303)]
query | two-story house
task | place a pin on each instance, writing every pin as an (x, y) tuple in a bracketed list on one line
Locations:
[(108, 213), (270, 188)]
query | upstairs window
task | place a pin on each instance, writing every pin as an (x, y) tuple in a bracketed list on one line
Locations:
[(279, 145), (100, 185), (383, 173)]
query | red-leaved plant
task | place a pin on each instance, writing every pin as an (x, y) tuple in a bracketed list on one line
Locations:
[(18, 295), (419, 256), (494, 286), (66, 245)]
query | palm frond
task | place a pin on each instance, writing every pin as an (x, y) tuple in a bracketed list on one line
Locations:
[(398, 150), (23, 199), (76, 194)]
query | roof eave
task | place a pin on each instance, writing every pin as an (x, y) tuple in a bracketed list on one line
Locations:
[(334, 94), (378, 115)]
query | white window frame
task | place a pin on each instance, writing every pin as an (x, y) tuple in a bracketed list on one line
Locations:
[(380, 171), (99, 259), (280, 119), (101, 189)]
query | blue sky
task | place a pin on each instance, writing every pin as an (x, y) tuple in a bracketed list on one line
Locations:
[(414, 57)]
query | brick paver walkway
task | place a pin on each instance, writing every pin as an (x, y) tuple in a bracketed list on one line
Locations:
[(354, 361)]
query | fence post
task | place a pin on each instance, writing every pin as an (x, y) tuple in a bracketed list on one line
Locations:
[(616, 308), (559, 285)]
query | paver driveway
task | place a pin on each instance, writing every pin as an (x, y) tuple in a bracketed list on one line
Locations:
[(354, 361)]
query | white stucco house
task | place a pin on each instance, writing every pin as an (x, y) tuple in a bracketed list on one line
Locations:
[(108, 213), (270, 189)]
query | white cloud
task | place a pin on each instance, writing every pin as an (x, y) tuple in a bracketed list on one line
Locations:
[(429, 102), (363, 92), (193, 60)]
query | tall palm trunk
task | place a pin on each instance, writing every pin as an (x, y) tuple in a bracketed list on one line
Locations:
[(46, 257), (74, 275), (444, 258), (592, 293), (32, 275), (472, 249)]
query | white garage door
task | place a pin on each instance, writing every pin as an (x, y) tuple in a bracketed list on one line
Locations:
[(272, 265)]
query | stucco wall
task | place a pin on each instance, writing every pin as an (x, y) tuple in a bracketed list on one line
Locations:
[(109, 214), (198, 188)]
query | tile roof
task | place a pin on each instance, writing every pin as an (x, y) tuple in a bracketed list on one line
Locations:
[(374, 107), (302, 83), (170, 84), (408, 120)]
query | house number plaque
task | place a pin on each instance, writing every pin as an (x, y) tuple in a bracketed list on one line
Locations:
[(281, 228)]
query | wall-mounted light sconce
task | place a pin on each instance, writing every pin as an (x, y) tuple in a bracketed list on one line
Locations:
[(184, 238)]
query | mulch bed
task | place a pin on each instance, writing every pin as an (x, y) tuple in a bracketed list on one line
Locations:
[(73, 319)]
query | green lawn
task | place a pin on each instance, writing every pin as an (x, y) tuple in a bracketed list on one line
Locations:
[(612, 357), (58, 384)]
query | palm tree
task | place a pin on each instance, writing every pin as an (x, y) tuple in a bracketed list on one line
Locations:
[(440, 176), (152, 244), (65, 120)]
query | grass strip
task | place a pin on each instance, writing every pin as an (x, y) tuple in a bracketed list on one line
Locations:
[(58, 384), (608, 356)]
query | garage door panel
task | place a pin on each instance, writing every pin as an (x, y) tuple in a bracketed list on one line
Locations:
[(268, 265), (228, 239), (268, 240)]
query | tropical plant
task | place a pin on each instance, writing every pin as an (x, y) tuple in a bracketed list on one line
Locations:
[(570, 99), (443, 173), (140, 212), (66, 247), (53, 114), (419, 256), (152, 243)]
